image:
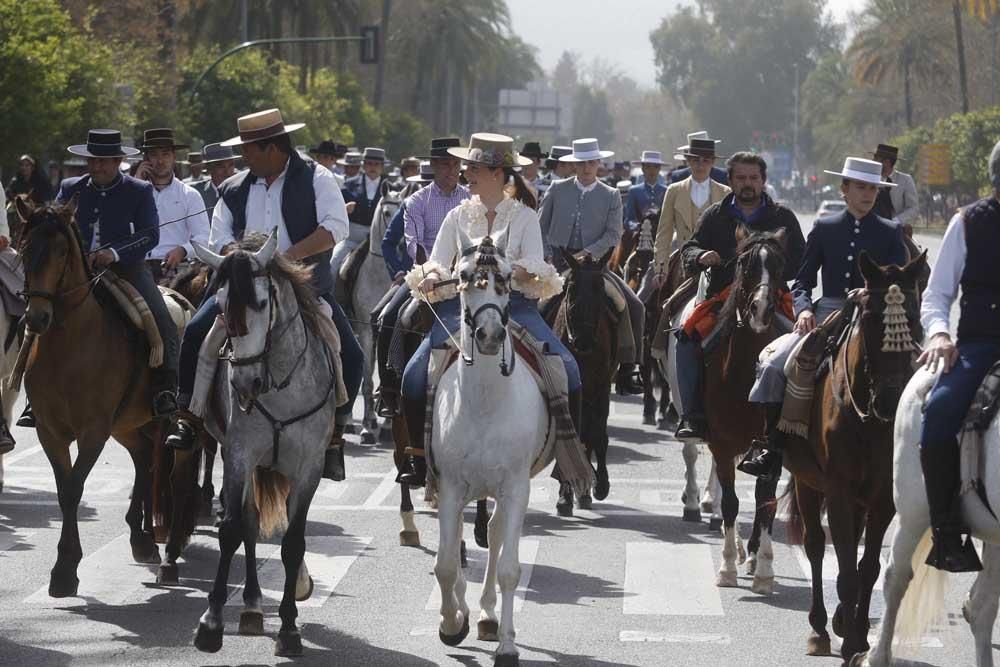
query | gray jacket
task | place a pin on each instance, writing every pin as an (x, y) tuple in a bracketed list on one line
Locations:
[(904, 198), (600, 217)]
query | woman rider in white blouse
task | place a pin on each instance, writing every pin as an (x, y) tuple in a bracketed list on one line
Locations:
[(494, 207)]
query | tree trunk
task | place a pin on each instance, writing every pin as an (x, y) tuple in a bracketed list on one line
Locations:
[(963, 81), (380, 67), (448, 98), (907, 93), (167, 34)]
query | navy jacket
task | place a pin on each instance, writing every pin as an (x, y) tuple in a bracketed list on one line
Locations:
[(126, 211), (640, 199), (393, 248), (364, 208), (834, 244), (718, 175)]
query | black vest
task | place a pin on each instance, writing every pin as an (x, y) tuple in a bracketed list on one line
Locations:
[(980, 314), (298, 209)]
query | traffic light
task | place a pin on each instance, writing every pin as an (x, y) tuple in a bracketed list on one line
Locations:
[(369, 44)]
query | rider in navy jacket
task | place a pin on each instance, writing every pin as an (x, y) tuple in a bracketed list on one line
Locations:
[(397, 260)]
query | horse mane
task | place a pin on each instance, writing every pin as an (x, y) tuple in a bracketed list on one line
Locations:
[(49, 218), (182, 281), (731, 305)]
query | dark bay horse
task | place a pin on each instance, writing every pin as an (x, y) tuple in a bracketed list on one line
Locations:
[(87, 379), (748, 325), (585, 321), (846, 465)]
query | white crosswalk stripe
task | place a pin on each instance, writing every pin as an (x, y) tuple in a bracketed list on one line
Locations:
[(670, 579)]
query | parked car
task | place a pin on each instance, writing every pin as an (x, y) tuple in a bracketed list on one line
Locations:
[(830, 206)]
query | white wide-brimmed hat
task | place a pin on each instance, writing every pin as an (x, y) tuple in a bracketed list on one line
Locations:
[(584, 150), (865, 171), (261, 125), (492, 150), (650, 157)]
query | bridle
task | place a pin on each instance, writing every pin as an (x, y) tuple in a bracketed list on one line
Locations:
[(745, 297), (486, 265), (589, 327)]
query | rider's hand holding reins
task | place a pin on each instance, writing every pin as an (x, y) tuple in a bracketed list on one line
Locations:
[(939, 352), (174, 257), (101, 259), (806, 322), (426, 285)]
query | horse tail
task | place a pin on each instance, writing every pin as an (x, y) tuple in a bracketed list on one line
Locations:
[(923, 602), (163, 467), (270, 496), (790, 502)]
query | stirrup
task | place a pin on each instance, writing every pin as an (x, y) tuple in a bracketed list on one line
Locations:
[(950, 552)]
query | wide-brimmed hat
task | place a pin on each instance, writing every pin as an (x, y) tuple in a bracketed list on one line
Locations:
[(411, 161), (492, 150), (373, 153), (212, 153), (193, 157), (261, 125), (350, 159), (886, 152), (426, 174), (440, 146), (650, 157), (533, 149), (555, 153), (700, 134), (701, 148), (584, 150), (160, 137), (865, 171), (328, 147), (103, 143), (28, 158)]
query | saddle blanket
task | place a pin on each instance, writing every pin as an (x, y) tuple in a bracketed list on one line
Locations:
[(706, 314), (550, 375)]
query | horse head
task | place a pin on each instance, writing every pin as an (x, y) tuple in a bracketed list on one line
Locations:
[(484, 286), (389, 203), (586, 300), (54, 265), (890, 327), (758, 277)]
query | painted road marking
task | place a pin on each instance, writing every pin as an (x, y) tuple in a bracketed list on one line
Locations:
[(670, 579)]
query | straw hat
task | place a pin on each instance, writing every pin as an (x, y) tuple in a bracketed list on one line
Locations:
[(261, 125)]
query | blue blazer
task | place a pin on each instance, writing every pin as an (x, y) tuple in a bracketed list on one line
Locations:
[(834, 244), (126, 211), (640, 200), (718, 175), (393, 248)]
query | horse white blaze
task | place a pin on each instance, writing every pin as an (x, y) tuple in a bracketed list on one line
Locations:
[(759, 306)]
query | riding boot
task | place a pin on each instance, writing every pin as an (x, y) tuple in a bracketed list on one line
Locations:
[(27, 418), (940, 463), (628, 380), (765, 456), (333, 466), (185, 431), (6, 439), (414, 473), (164, 384)]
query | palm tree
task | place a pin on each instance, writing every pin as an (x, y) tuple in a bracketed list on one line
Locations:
[(899, 39), (987, 11)]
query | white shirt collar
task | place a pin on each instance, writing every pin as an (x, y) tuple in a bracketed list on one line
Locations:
[(585, 188), (700, 192), (371, 187)]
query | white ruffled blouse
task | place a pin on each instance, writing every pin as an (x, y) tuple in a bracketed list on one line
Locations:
[(524, 248)]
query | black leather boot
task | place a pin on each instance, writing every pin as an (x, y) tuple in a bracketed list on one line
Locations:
[(6, 439), (333, 465), (765, 456), (628, 381), (950, 551), (414, 473), (27, 418)]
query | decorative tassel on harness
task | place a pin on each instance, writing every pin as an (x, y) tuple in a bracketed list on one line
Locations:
[(896, 336)]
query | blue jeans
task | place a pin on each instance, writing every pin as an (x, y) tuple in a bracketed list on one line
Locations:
[(949, 400), (690, 372), (523, 311)]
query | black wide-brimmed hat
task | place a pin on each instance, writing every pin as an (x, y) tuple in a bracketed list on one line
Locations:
[(701, 148), (533, 149), (886, 152), (103, 143), (440, 146), (328, 147), (160, 137)]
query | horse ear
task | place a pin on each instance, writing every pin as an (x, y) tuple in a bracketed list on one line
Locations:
[(23, 207), (384, 188), (869, 269), (266, 252), (68, 210), (915, 266), (206, 255), (781, 236), (741, 233), (570, 259)]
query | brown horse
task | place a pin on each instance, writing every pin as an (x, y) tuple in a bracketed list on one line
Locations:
[(87, 379), (585, 321), (846, 465), (748, 325)]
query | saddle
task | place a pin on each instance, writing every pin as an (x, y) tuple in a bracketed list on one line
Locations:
[(127, 300), (348, 274)]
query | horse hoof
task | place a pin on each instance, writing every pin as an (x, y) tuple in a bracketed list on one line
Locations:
[(63, 586), (456, 639), (208, 640), (463, 555), (144, 550), (860, 660), (648, 420), (706, 506), (288, 644), (303, 596), (726, 580), (252, 623), (564, 509), (692, 515), (818, 644), (837, 624), (714, 525), (368, 438), (762, 585), (507, 660), (602, 486), (409, 538), (167, 574), (585, 502), (489, 631)]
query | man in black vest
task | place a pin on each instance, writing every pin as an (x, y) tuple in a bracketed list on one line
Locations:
[(968, 259), (302, 200)]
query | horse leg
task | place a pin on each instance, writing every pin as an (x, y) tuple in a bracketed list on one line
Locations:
[(489, 626), (515, 505), (980, 610), (810, 504), (664, 418), (252, 616), (843, 520), (730, 509), (763, 551), (692, 512), (208, 637), (409, 536), (293, 548), (482, 520), (711, 500), (649, 404), (454, 625), (879, 517), (208, 448), (63, 581), (602, 484), (898, 574), (140, 513), (369, 424)]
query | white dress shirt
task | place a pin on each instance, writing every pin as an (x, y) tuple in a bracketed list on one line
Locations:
[(700, 192), (371, 187), (585, 188), (263, 211), (946, 276), (181, 203)]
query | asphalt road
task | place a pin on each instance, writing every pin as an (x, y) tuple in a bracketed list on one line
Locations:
[(627, 583)]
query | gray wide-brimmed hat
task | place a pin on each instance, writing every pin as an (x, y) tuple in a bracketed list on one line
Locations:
[(492, 150), (426, 174), (585, 150), (864, 171), (350, 159), (650, 157), (217, 153), (555, 153)]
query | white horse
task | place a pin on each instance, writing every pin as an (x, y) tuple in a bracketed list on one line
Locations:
[(7, 359), (370, 286), (924, 586), (490, 423)]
